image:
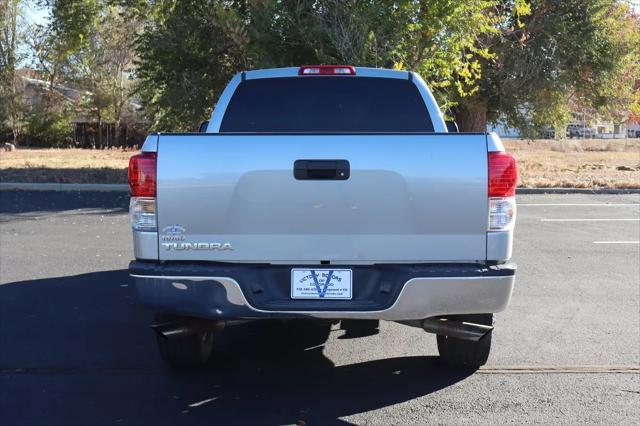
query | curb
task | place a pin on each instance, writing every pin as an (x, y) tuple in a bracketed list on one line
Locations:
[(64, 186), (525, 191), (125, 188)]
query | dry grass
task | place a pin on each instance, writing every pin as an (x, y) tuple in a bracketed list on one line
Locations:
[(64, 165), (577, 164), (542, 164)]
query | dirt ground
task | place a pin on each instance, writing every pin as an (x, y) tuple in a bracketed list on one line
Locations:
[(577, 163), (542, 164), (64, 165)]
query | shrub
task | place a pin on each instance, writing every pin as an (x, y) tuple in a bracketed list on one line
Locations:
[(50, 128)]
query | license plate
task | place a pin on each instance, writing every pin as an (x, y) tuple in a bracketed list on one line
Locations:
[(321, 283)]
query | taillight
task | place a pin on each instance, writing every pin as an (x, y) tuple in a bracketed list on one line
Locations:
[(327, 70), (142, 183), (503, 177), (503, 174), (142, 174)]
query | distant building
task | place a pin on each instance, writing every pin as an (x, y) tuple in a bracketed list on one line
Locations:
[(632, 124), (84, 130), (34, 86), (503, 130)]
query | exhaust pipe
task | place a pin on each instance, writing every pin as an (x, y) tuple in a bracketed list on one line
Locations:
[(187, 327), (456, 329)]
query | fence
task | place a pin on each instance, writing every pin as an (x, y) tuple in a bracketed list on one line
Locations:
[(108, 135)]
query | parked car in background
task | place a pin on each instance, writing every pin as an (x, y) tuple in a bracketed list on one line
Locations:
[(580, 130), (548, 133)]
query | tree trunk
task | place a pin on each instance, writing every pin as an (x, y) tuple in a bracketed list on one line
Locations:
[(16, 109), (472, 117), (15, 123), (9, 39), (116, 136), (99, 130)]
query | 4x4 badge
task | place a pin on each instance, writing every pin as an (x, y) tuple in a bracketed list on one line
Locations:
[(173, 230)]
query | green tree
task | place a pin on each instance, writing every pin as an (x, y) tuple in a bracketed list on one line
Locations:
[(526, 62), (186, 56), (11, 107), (437, 38), (88, 46), (65, 34), (102, 66), (49, 124), (191, 49), (548, 55), (53, 46)]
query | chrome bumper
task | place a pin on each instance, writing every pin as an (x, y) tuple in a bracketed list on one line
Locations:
[(221, 297)]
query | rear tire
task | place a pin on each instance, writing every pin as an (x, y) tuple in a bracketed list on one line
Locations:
[(183, 352), (465, 353)]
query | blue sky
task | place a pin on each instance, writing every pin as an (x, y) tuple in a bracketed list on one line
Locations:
[(34, 14), (31, 14)]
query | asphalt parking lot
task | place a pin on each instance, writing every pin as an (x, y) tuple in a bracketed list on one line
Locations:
[(75, 347)]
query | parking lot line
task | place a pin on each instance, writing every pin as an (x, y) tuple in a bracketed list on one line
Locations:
[(488, 369), (591, 220), (616, 242), (579, 204)]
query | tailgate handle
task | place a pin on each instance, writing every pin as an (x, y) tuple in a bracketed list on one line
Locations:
[(321, 169)]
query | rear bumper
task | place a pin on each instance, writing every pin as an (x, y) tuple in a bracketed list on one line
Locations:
[(387, 292)]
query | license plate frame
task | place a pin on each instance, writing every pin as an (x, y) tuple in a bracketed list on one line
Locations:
[(321, 284)]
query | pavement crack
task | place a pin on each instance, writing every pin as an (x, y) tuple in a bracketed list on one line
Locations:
[(564, 369), (514, 369)]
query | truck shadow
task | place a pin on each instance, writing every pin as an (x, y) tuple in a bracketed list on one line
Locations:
[(78, 349), (23, 204)]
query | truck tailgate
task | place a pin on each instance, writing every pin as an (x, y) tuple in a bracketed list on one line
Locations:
[(409, 198)]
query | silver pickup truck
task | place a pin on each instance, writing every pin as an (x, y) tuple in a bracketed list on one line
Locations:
[(333, 193)]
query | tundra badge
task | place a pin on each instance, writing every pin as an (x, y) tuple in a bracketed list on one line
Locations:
[(197, 246)]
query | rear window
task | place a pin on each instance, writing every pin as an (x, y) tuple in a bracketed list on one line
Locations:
[(326, 104)]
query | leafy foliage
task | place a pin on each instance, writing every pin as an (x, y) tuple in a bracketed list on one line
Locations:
[(103, 64), (185, 59), (526, 62), (50, 125), (193, 49), (555, 56), (87, 46), (11, 108)]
